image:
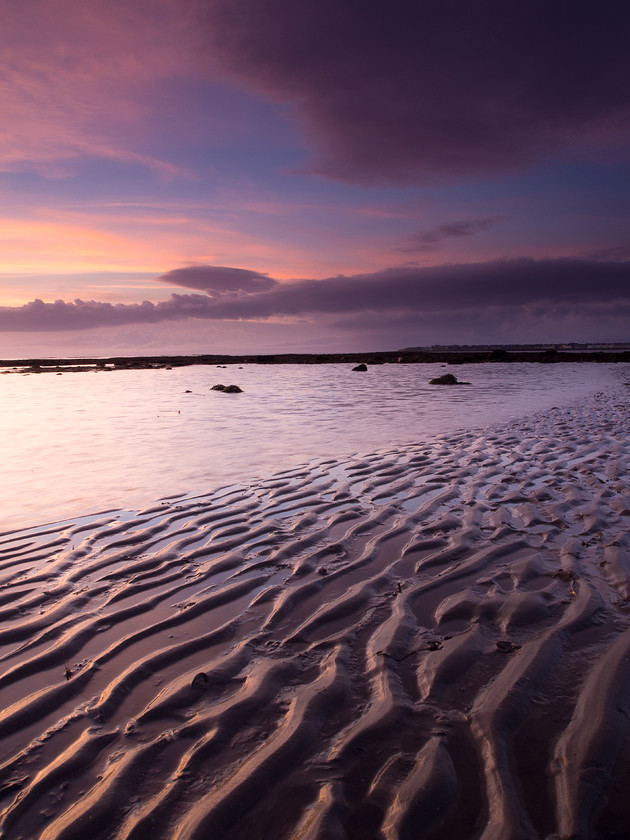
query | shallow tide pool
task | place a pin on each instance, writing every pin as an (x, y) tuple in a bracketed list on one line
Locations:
[(78, 443)]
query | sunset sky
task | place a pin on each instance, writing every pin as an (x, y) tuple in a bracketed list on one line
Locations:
[(189, 176)]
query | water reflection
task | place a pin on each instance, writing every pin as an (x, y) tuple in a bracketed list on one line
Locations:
[(83, 442)]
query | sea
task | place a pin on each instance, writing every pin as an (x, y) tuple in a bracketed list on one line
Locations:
[(77, 444)]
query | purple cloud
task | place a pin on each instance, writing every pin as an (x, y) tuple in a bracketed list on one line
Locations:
[(442, 289), (506, 290), (219, 280), (427, 240), (80, 315), (420, 90)]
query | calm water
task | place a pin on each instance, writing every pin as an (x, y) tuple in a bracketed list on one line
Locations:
[(85, 442)]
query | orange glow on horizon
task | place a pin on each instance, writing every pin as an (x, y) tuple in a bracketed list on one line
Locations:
[(46, 255)]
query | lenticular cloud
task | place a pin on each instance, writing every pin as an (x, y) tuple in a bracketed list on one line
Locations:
[(217, 280)]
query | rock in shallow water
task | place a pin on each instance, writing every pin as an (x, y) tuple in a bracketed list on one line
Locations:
[(228, 389), (447, 379)]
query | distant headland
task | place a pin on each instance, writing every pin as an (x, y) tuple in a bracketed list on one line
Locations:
[(445, 354)]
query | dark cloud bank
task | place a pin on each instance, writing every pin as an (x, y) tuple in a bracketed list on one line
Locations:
[(504, 291), (414, 89)]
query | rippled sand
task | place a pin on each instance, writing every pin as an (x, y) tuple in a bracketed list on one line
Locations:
[(431, 642)]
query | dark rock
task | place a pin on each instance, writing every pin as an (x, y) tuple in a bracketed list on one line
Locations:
[(360, 368), (228, 389), (200, 681), (447, 379)]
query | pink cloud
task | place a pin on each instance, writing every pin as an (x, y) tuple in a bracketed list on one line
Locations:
[(78, 78)]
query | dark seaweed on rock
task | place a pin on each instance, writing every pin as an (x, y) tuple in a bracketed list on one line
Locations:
[(353, 650)]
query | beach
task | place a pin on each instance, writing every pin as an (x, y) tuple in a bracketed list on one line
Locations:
[(429, 641)]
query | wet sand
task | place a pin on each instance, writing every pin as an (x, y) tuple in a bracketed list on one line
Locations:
[(428, 642)]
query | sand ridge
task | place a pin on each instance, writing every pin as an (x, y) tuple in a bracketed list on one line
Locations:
[(432, 641)]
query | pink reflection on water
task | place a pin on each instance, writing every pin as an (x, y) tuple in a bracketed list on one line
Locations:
[(86, 442)]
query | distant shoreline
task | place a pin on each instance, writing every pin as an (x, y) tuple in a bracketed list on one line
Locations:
[(453, 357)]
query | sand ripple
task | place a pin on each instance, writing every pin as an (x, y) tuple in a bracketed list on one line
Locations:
[(429, 642)]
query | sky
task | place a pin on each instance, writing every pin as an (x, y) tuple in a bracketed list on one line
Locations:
[(249, 176)]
